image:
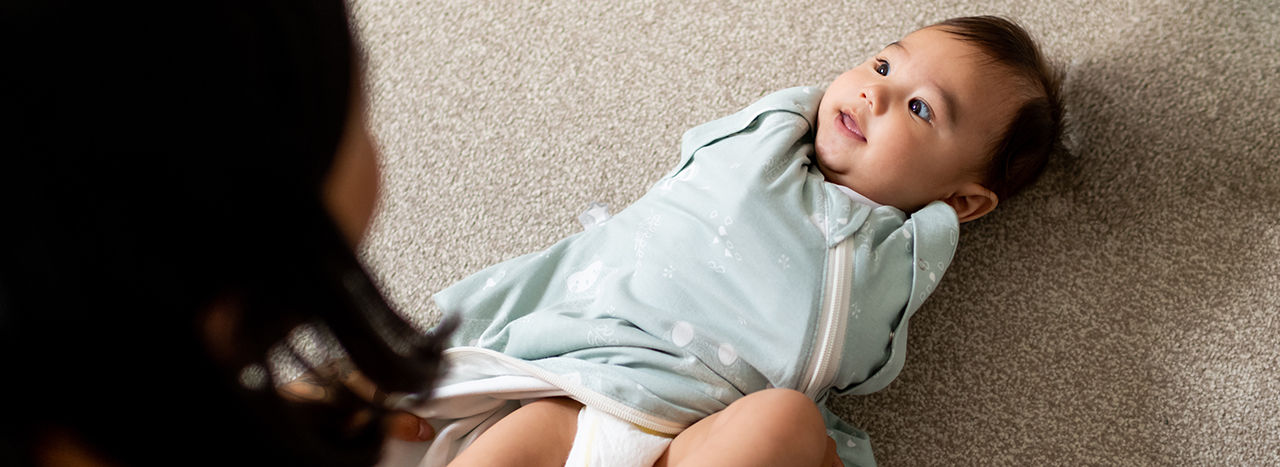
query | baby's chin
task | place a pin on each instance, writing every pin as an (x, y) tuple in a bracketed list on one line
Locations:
[(830, 168), (822, 152), (833, 176), (871, 193)]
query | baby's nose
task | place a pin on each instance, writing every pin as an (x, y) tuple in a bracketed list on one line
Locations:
[(869, 96)]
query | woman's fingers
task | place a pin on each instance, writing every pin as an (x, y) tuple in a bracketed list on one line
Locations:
[(408, 427), (313, 386), (304, 390)]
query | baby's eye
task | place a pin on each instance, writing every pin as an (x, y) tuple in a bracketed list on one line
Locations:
[(921, 109), (882, 67)]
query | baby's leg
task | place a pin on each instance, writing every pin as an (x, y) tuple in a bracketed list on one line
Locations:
[(771, 427), (540, 433)]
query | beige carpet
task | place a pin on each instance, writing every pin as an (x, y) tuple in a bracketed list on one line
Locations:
[(1122, 312)]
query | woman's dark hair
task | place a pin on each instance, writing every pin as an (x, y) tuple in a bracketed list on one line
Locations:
[(164, 161), (1035, 133)]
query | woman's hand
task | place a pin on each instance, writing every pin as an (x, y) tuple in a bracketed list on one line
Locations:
[(408, 427), (314, 386)]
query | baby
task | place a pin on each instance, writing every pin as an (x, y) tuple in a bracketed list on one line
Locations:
[(778, 262)]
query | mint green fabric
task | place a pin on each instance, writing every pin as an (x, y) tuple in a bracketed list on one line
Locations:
[(709, 287)]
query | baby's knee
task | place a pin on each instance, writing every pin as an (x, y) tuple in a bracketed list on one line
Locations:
[(787, 416), (787, 403)]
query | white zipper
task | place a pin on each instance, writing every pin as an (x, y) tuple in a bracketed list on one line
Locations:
[(824, 360)]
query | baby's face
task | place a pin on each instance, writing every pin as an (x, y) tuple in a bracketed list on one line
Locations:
[(915, 123)]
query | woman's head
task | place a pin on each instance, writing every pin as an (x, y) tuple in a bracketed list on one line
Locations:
[(350, 191), (176, 165)]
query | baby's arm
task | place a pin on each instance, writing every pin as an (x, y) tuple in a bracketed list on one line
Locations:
[(540, 433)]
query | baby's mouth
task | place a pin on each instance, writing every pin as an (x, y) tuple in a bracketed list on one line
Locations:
[(845, 120)]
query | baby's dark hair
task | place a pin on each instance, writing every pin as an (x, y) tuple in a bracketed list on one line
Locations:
[(1021, 152)]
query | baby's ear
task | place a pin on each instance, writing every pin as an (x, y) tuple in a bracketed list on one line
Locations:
[(972, 201)]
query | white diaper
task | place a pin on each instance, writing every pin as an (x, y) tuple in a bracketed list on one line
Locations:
[(607, 441)]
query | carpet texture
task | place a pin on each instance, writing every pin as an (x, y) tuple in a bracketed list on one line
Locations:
[(1120, 312)]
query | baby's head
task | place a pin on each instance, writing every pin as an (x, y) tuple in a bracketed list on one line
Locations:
[(965, 111)]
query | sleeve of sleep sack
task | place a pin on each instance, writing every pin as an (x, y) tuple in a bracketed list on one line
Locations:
[(802, 101)]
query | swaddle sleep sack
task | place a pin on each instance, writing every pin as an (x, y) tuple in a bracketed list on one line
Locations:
[(740, 270)]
